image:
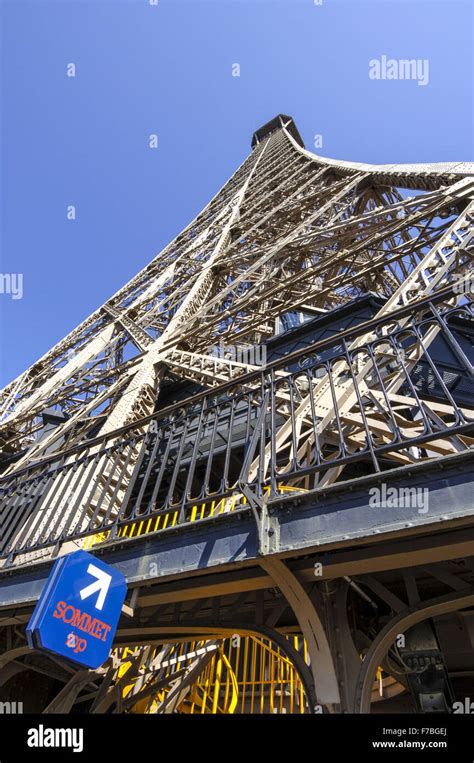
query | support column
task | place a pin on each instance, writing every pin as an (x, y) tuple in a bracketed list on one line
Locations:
[(322, 665)]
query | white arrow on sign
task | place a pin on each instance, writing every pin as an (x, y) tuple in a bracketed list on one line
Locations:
[(102, 585)]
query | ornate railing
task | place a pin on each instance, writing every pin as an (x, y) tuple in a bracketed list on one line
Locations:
[(391, 391)]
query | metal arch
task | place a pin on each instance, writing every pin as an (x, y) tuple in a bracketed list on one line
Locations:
[(13, 654), (228, 629), (410, 616), (322, 665), (299, 663)]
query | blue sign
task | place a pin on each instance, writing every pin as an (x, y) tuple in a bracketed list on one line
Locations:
[(79, 609)]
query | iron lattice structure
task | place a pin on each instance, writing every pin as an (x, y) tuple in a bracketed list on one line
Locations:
[(289, 230), (94, 449)]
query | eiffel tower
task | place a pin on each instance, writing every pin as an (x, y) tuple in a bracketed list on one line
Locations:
[(288, 231), (290, 238)]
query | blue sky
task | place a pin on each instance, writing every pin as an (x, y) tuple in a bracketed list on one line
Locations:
[(167, 70)]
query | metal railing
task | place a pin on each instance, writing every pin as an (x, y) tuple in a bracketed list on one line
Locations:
[(390, 391)]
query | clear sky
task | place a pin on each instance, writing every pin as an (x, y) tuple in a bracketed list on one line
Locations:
[(166, 69)]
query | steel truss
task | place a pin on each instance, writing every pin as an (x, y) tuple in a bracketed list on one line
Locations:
[(290, 231)]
